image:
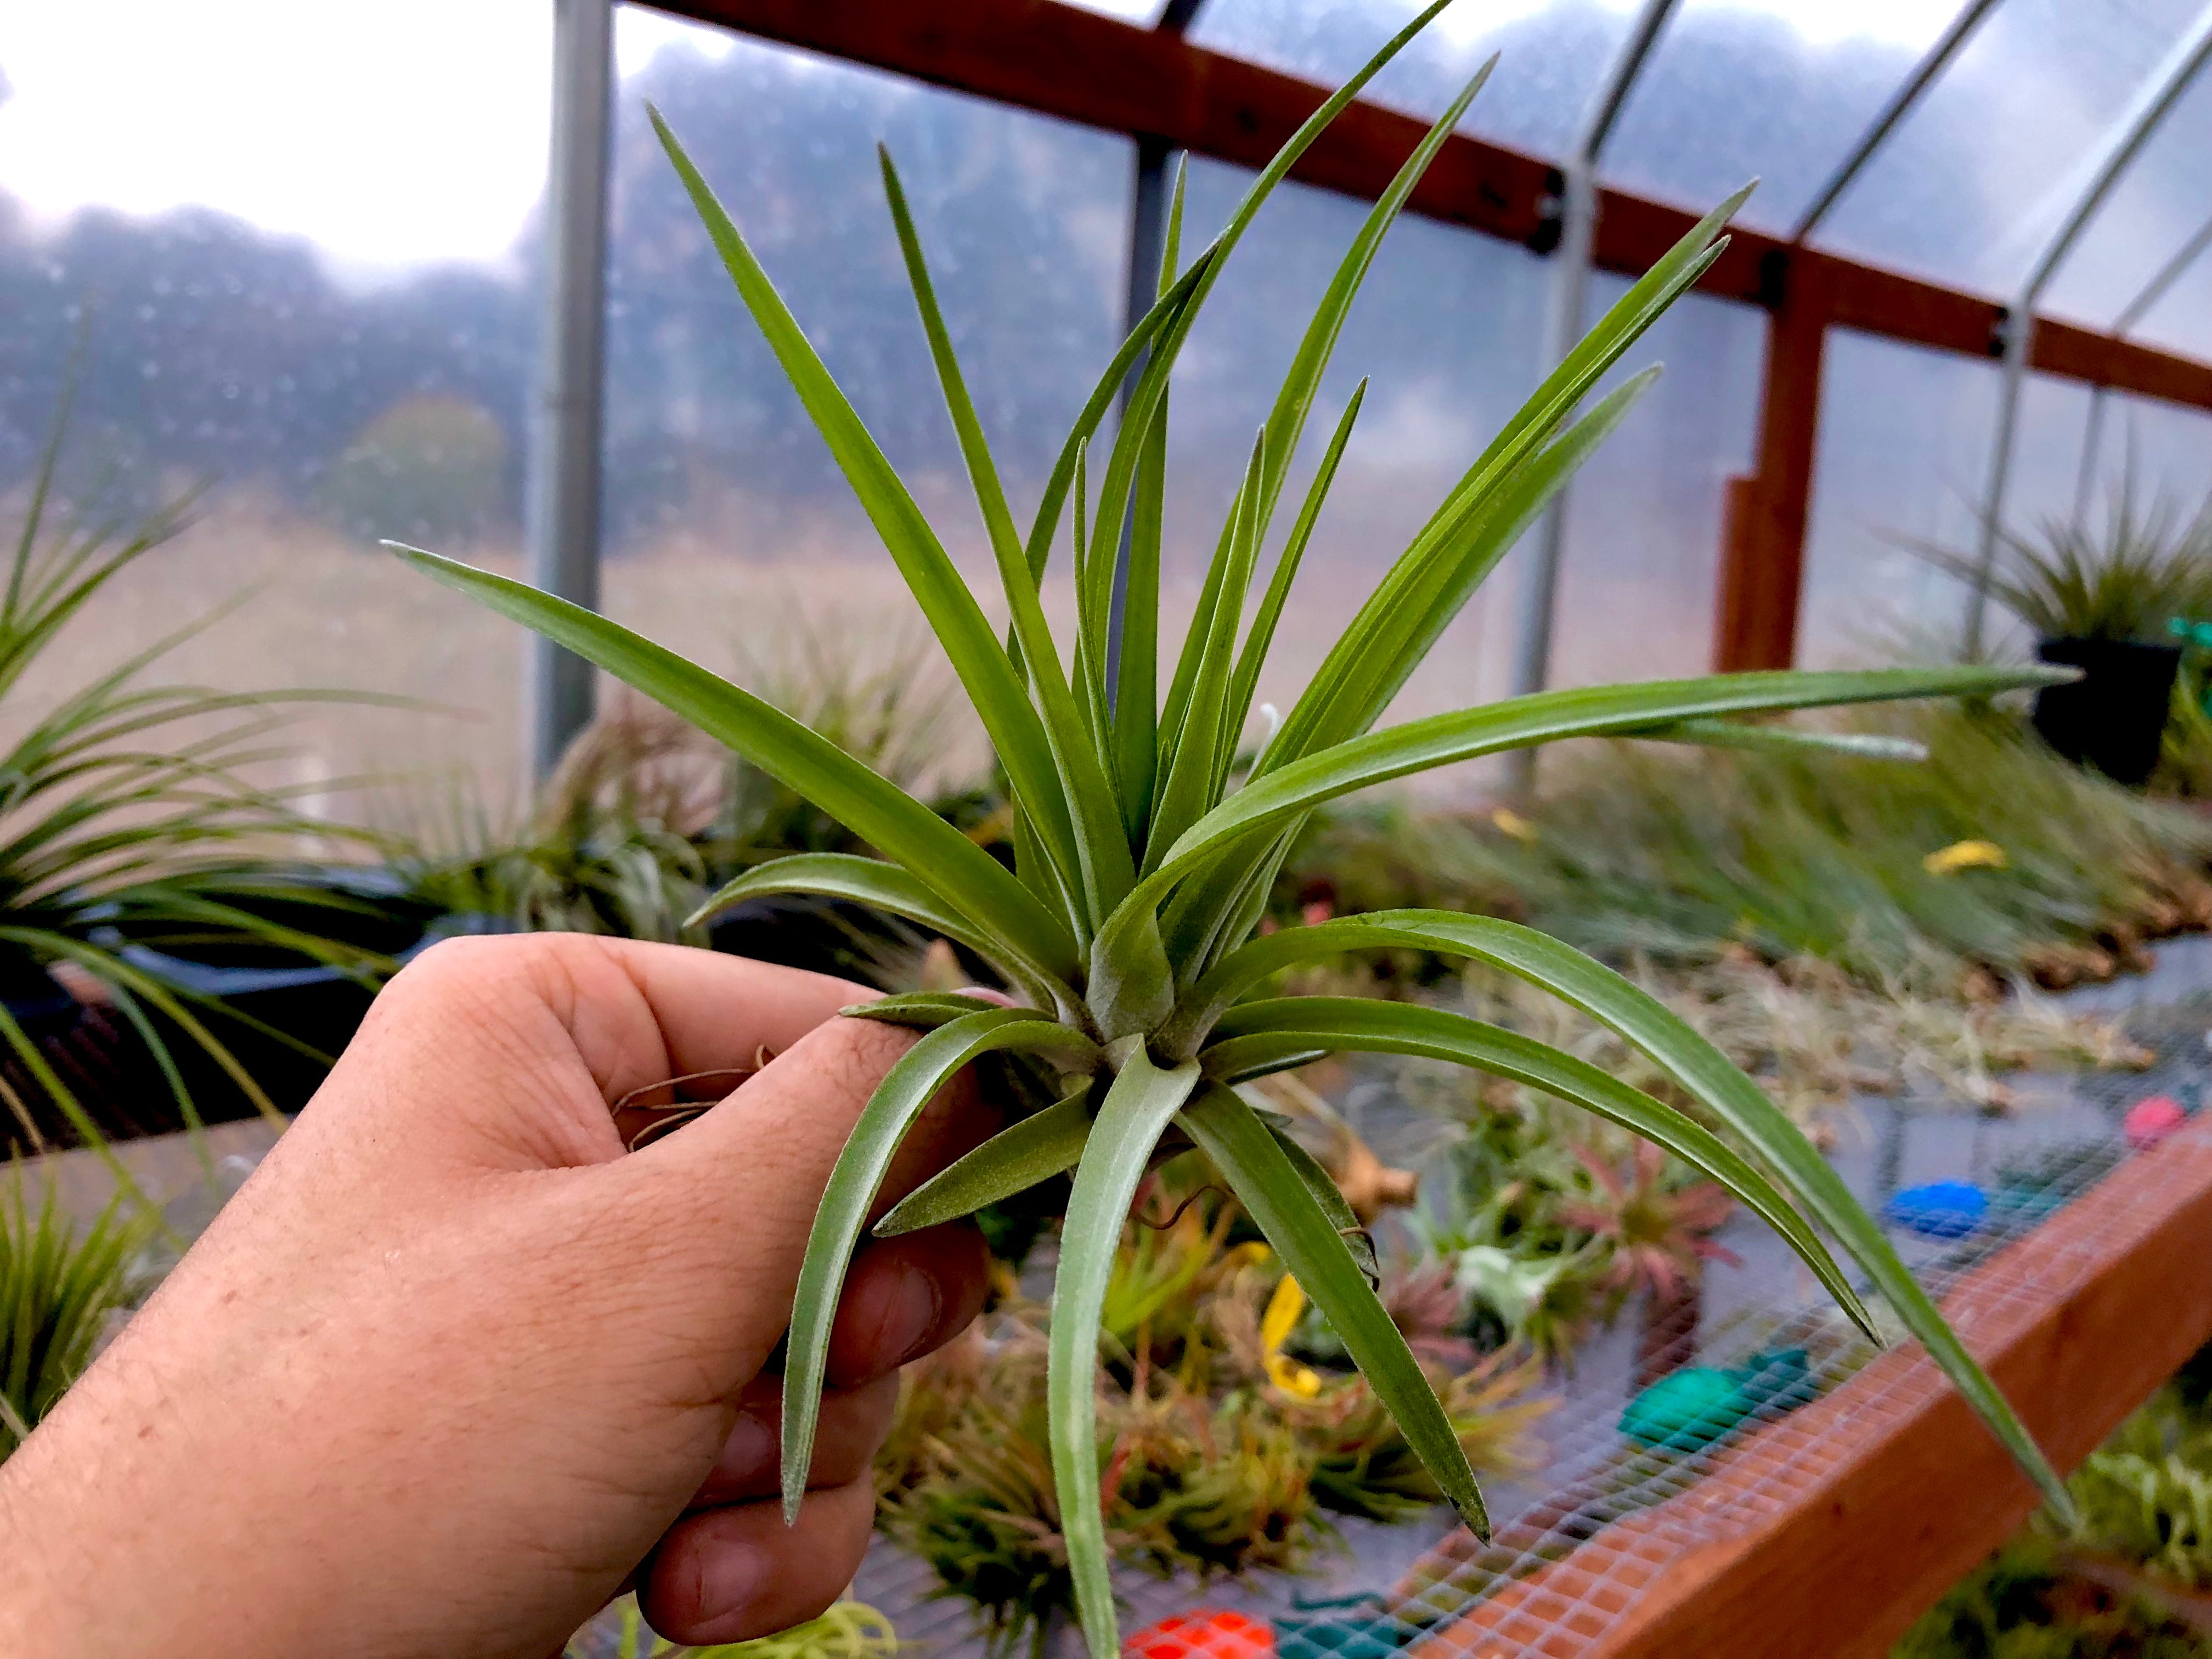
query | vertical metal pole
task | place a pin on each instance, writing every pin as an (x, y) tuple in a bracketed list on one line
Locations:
[(1929, 69), (1564, 302), (1148, 232), (2104, 169), (2092, 438), (1563, 306), (563, 477), (2020, 330), (2130, 314)]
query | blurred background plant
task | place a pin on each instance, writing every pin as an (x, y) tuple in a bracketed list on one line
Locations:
[(646, 816), (1225, 1453), (1992, 860), (850, 1629), (2067, 577), (142, 858), (59, 1286), (2126, 1582), (2146, 1495)]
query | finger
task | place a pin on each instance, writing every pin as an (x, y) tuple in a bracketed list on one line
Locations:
[(904, 1297), (761, 1158), (636, 1013), (850, 1432), (733, 1574)]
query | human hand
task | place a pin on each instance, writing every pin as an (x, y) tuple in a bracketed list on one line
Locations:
[(452, 1366)]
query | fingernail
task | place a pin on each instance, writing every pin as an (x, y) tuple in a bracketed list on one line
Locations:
[(747, 1454), (731, 1577), (985, 994), (910, 1320)]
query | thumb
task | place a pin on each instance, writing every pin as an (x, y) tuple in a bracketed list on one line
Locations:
[(748, 1176)]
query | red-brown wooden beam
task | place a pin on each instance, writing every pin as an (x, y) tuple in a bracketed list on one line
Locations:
[(1078, 65), (1763, 525)]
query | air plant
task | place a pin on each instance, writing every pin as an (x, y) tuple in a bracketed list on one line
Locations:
[(850, 1629), (58, 1288), (1124, 927), (2067, 580), (1660, 1234), (1224, 1456), (129, 818)]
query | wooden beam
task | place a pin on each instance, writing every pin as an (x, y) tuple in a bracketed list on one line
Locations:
[(1824, 1535), (1763, 535), (1079, 66)]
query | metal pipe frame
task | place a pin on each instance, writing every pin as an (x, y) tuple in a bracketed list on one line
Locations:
[(563, 500), (1926, 74), (2122, 145), (1566, 300), (2131, 313)]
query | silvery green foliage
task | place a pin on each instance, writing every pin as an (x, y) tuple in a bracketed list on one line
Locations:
[(1125, 928)]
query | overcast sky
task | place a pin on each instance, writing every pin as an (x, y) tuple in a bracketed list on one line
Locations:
[(413, 131)]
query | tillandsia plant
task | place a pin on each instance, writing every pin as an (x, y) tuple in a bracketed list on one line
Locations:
[(129, 818), (1139, 872)]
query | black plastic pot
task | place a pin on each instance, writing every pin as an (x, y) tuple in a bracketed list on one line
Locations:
[(2111, 720)]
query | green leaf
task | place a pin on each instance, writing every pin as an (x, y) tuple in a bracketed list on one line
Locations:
[(1328, 1197), (1264, 1033), (897, 891), (1094, 599), (1785, 740), (1138, 1107), (1101, 842), (1045, 526), (1469, 549), (1040, 1147), (1252, 1161), (955, 618), (1193, 654), (1386, 609), (1694, 1063), (1294, 401), (1206, 913), (919, 1011), (1136, 685), (1254, 657), (1190, 788), (906, 1090), (967, 878), (1545, 717)]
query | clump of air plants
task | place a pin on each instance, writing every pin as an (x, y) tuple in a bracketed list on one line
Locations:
[(850, 1629), (2065, 577), (1224, 1454), (1814, 1037), (1994, 862), (1656, 1232), (2145, 1496), (1495, 1219), (59, 1287), (1144, 851), (646, 816)]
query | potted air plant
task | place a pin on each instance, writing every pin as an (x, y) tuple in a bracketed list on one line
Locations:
[(2104, 602), (1124, 929)]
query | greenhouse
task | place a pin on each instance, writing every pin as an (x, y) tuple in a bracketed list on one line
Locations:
[(1195, 828)]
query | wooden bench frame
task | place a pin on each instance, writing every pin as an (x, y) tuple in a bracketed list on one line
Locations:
[(1828, 1532)]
